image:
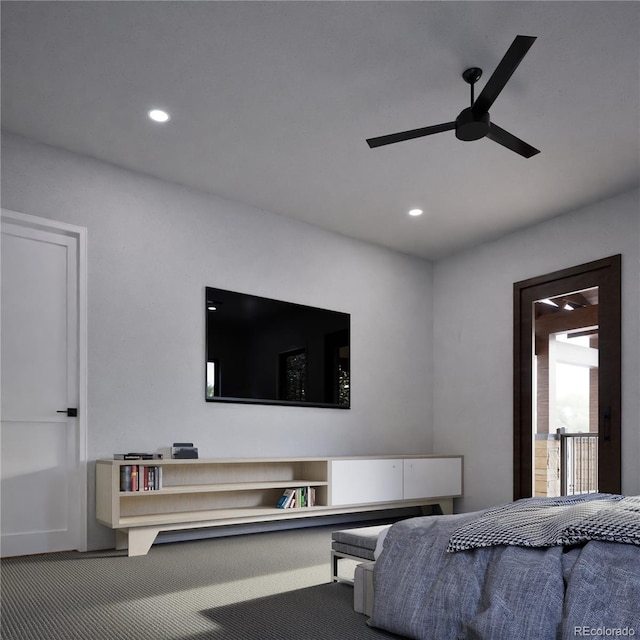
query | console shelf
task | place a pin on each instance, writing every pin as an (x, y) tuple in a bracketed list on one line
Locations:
[(216, 492), (229, 486)]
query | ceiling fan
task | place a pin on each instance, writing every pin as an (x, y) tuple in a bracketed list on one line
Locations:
[(473, 122)]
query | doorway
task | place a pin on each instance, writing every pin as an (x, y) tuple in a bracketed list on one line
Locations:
[(43, 429), (567, 381)]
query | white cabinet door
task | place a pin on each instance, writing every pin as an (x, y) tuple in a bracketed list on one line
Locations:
[(365, 481), (432, 477)]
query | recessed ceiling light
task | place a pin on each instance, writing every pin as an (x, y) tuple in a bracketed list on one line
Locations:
[(416, 212), (157, 115)]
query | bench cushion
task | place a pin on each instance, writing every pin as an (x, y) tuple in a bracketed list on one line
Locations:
[(359, 542)]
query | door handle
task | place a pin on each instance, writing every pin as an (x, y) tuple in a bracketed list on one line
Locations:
[(72, 412)]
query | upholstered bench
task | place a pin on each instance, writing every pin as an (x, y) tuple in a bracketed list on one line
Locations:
[(363, 588), (354, 544)]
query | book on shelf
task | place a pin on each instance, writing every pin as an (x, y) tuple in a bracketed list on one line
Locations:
[(140, 477), (125, 477), (134, 478), (286, 498), (298, 497)]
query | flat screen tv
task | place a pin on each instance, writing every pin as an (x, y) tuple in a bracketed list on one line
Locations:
[(267, 351)]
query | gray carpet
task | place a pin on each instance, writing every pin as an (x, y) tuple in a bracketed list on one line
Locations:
[(267, 586)]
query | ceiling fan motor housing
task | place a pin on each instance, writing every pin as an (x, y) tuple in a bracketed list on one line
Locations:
[(470, 126)]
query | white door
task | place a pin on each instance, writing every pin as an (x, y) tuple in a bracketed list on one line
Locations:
[(43, 468)]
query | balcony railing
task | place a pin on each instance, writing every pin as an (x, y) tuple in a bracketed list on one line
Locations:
[(578, 463)]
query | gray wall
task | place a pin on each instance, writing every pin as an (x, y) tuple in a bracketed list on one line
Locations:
[(154, 246), (431, 345), (473, 334)]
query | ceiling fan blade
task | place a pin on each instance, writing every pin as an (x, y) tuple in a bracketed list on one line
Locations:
[(409, 135), (509, 141), (503, 72)]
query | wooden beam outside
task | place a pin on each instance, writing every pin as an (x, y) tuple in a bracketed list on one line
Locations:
[(567, 320)]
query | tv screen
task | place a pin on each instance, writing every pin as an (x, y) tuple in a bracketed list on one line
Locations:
[(267, 351)]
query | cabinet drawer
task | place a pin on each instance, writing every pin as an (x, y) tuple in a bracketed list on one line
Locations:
[(365, 481), (432, 477)]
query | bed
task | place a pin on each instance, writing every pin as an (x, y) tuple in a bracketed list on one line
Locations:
[(535, 569)]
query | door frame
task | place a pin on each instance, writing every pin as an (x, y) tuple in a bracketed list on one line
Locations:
[(605, 274), (80, 234)]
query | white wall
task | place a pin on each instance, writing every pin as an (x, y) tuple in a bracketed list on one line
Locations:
[(154, 246), (473, 338)]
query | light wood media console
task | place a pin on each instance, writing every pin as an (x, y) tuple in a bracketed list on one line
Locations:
[(215, 492)]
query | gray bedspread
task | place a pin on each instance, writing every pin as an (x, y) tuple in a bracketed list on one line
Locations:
[(502, 592)]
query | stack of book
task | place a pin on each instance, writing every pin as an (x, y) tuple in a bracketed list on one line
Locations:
[(297, 498), (137, 456)]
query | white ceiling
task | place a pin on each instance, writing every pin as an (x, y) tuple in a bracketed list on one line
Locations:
[(271, 104)]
